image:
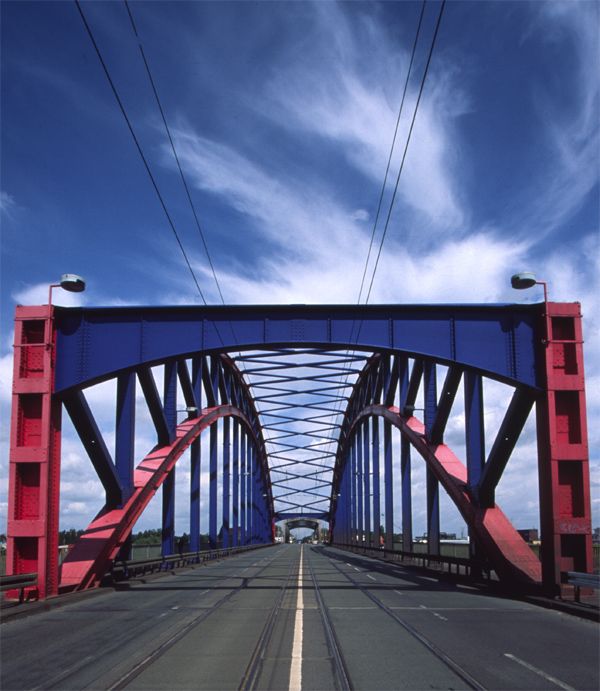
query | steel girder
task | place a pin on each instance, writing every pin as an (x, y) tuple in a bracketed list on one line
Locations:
[(501, 341)]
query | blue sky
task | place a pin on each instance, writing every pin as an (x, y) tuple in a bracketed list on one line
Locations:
[(283, 115)]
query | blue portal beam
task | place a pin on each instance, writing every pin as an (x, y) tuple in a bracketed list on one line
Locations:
[(500, 341)]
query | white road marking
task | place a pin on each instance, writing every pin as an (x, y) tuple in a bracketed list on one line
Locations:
[(296, 666), (371, 577), (540, 672), (435, 614), (398, 592)]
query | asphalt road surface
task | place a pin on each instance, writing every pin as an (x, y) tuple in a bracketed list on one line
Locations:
[(291, 617)]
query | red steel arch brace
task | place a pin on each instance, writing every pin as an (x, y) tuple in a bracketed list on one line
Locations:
[(86, 564)]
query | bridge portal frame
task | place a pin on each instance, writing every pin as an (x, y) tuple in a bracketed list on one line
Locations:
[(61, 351)]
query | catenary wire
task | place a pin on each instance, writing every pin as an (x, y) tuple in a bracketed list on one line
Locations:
[(139, 149), (412, 124), (175, 154), (406, 149), (387, 170)]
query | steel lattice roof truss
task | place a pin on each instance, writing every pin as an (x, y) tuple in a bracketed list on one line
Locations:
[(301, 397)]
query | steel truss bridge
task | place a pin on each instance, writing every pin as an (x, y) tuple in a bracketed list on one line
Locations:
[(299, 404)]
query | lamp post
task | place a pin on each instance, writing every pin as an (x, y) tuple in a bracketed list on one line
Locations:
[(34, 463), (527, 279), (69, 282)]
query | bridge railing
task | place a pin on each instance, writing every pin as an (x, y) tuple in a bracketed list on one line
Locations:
[(457, 565), (19, 582), (581, 580), (126, 569)]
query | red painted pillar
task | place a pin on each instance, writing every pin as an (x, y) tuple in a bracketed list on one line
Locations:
[(34, 467), (563, 455)]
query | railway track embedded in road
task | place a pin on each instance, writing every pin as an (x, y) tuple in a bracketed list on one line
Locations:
[(126, 680), (456, 668)]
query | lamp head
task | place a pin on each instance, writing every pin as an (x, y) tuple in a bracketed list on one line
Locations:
[(72, 283), (523, 280)]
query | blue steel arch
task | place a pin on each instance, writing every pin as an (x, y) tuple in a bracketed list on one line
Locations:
[(499, 341), (471, 487), (129, 489)]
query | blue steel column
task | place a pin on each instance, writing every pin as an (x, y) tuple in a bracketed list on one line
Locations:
[(243, 485), (405, 463), (259, 501), (212, 486), (388, 485), (195, 462), (376, 485), (341, 509), (125, 443), (226, 479), (348, 500), (433, 486), (405, 473), (474, 429), (353, 513), (255, 496), (475, 438), (236, 483), (249, 492), (360, 485), (168, 487), (259, 497), (367, 479)]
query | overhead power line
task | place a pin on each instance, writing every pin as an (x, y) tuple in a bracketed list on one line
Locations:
[(140, 150), (175, 153), (391, 152), (412, 124), (386, 176)]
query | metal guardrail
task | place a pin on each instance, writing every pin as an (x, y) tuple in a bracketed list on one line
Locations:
[(462, 566), (18, 581), (580, 580), (126, 569)]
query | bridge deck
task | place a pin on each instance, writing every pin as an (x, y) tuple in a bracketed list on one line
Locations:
[(236, 624)]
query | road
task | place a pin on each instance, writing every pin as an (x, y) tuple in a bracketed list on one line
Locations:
[(291, 617)]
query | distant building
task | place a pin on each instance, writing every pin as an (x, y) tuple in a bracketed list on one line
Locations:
[(530, 535)]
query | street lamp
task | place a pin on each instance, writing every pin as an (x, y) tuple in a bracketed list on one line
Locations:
[(69, 282), (527, 279)]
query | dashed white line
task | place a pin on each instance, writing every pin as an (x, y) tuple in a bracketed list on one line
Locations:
[(543, 674), (371, 577)]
